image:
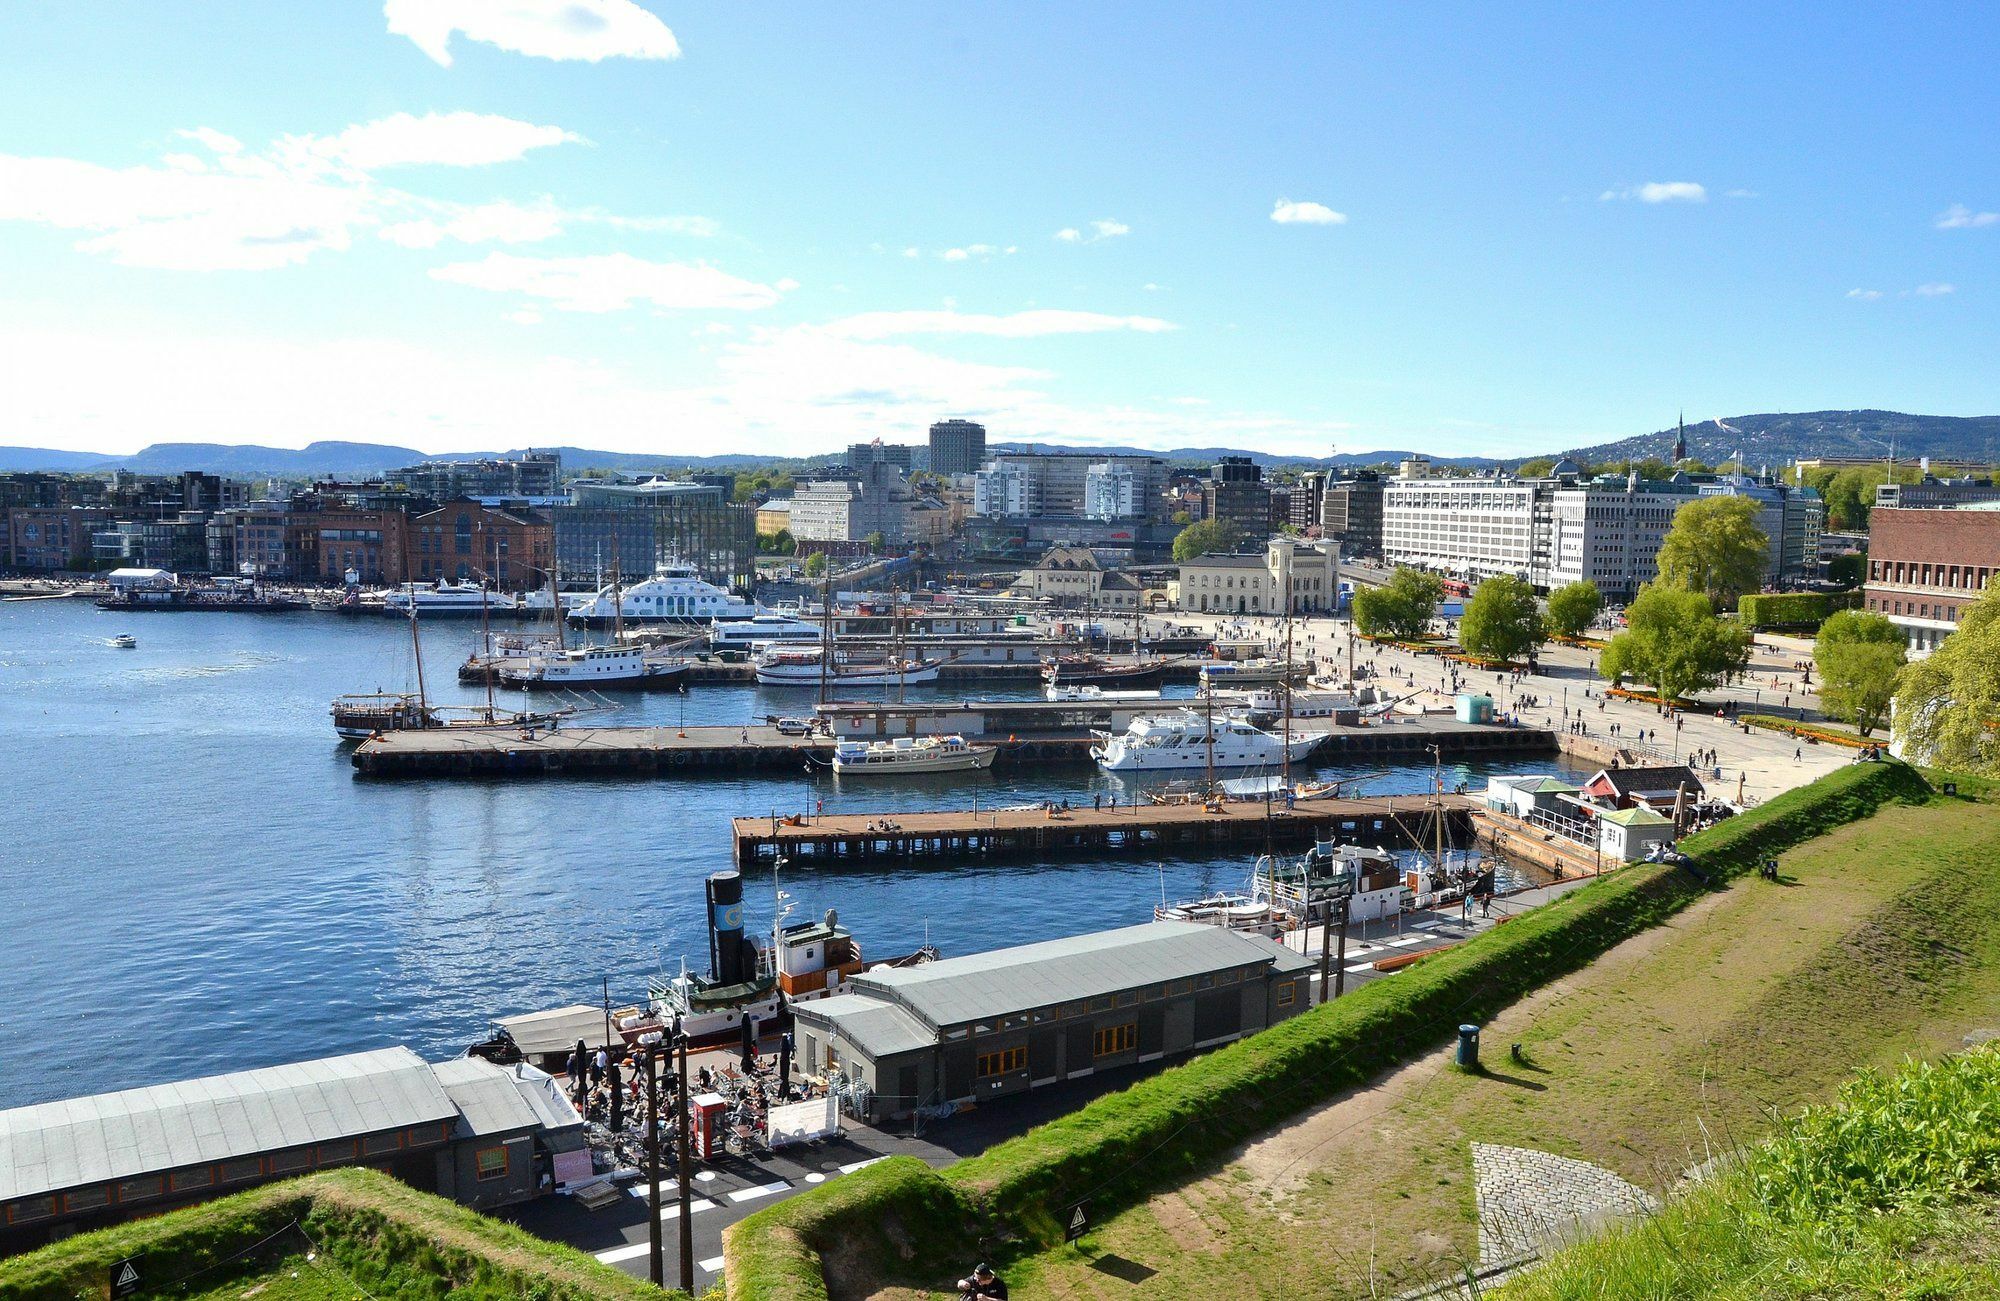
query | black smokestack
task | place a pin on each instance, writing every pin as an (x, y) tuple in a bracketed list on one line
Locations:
[(725, 929)]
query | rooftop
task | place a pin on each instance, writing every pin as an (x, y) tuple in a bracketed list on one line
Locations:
[(984, 985), (79, 1141)]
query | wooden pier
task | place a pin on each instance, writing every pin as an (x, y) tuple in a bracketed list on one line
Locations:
[(1392, 822)]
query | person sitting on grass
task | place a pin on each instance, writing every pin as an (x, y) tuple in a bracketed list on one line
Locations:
[(984, 1283)]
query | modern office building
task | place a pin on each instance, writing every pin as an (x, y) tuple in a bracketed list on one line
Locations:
[(1235, 494), (981, 1027), (532, 475), (1352, 513), (862, 455), (1926, 566), (49, 538), (1305, 502), (957, 447), (1059, 485), (645, 523), (1933, 493), (873, 499), (1561, 529)]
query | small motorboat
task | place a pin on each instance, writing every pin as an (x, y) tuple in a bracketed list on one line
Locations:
[(124, 641)]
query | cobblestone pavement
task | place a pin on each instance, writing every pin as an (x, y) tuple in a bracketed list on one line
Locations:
[(1527, 1199)]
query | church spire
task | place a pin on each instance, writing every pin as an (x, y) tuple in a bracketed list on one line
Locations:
[(1681, 439)]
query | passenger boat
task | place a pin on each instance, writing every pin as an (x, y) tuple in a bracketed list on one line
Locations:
[(802, 962), (1216, 673), (1087, 693), (769, 628), (124, 641), (1185, 739), (676, 593), (595, 666), (225, 595), (800, 666), (447, 599), (911, 754), (540, 602)]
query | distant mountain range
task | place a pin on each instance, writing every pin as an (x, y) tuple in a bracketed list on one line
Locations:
[(1777, 439), (1772, 440)]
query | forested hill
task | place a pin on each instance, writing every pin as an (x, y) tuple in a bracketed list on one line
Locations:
[(1777, 439)]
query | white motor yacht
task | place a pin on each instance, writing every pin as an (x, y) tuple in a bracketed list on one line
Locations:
[(448, 598), (911, 754), (1181, 740), (799, 666)]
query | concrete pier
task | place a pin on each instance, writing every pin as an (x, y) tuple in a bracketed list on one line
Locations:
[(1392, 822)]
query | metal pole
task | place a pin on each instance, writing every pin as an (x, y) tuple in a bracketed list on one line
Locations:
[(657, 1265), (687, 1197), (1325, 942), (1340, 959)]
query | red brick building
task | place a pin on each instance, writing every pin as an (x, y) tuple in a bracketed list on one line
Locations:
[(375, 544), (465, 540), (1925, 566), (48, 538)]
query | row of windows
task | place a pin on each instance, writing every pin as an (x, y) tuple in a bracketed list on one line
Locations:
[(239, 1170), (1004, 1062), (1969, 578), (1917, 609)]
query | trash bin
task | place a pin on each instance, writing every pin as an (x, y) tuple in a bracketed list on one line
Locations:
[(1468, 1045)]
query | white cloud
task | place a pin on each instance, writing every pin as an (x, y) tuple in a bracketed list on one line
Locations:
[(610, 282), (525, 316), (1960, 217), (237, 210), (786, 391), (971, 252), (1018, 325), (548, 29), (1289, 213), (442, 139), (1936, 289), (1103, 228), (1661, 192), (1866, 295)]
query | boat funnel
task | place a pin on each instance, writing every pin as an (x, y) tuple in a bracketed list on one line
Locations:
[(725, 929)]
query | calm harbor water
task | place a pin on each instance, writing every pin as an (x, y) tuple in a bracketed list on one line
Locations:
[(192, 881)]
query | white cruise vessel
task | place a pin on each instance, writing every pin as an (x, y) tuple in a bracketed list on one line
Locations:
[(1161, 742), (447, 598), (768, 628), (911, 754), (676, 593), (799, 666)]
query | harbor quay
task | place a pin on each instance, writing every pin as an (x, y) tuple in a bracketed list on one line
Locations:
[(693, 751)]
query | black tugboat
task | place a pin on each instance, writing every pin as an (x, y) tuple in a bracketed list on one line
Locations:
[(1093, 671)]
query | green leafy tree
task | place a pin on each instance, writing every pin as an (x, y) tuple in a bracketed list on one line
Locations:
[(1574, 608), (1209, 537), (1182, 518), (1948, 703), (874, 541), (1502, 621), (1675, 641), (1403, 607), (1859, 655), (1845, 570), (1715, 548), (1538, 468), (816, 564)]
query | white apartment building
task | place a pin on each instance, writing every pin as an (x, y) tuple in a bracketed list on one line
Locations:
[(1072, 485), (1114, 490), (1474, 528)]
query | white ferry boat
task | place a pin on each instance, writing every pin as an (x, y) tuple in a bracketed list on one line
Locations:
[(1094, 693), (799, 666), (770, 628), (448, 598), (540, 602), (1162, 742), (676, 593), (911, 754), (1228, 673), (594, 666)]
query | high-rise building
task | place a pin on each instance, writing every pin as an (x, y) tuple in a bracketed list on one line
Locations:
[(1305, 501), (1352, 513), (1236, 494), (1059, 485), (957, 447), (862, 455)]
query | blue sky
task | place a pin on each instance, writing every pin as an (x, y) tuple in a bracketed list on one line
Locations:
[(460, 224)]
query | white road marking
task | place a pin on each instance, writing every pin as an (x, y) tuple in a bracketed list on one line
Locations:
[(852, 1166), (762, 1190), (617, 1254), (713, 1264), (1361, 966), (1407, 939)]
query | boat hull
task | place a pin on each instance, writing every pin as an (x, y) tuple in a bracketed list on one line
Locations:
[(969, 760), (788, 676)]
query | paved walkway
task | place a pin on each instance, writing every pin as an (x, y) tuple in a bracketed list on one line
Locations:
[(1529, 1201), (1567, 691)]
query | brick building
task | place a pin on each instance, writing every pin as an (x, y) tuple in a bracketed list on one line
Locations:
[(1925, 566), (48, 538), (374, 544), (463, 540)]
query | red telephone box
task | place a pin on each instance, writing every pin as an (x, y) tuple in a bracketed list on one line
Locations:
[(709, 1112)]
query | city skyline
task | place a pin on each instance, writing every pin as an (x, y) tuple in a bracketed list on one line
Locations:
[(440, 225)]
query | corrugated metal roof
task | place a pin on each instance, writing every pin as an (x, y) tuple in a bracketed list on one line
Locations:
[(489, 1099), (879, 1029), (56, 1145), (985, 985)]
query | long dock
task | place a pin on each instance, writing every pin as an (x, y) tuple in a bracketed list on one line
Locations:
[(1400, 821), (698, 751)]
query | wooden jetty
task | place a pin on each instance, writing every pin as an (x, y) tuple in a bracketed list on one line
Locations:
[(1392, 822)]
